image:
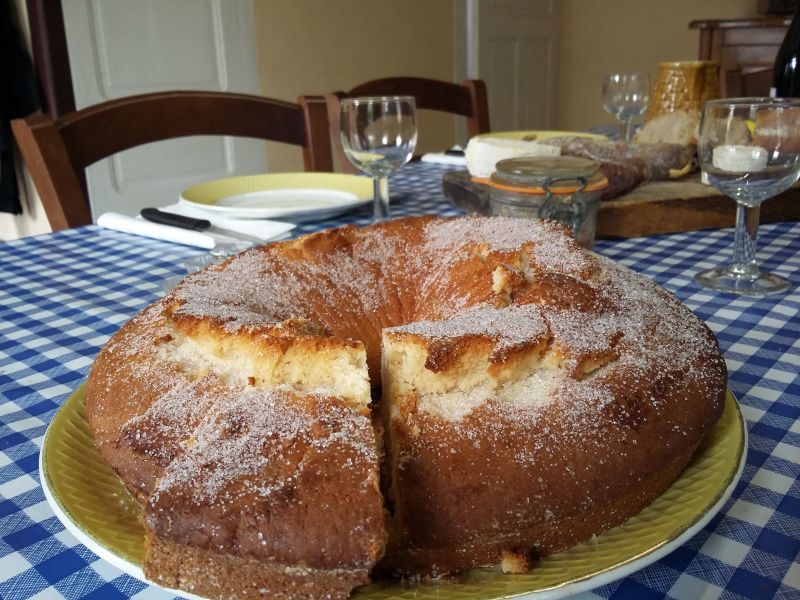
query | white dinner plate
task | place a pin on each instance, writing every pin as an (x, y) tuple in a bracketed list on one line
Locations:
[(296, 197)]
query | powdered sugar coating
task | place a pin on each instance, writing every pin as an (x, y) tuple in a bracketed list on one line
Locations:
[(159, 431), (509, 327), (233, 449), (551, 249), (362, 282), (356, 278)]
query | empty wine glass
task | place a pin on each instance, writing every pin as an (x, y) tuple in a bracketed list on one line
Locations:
[(750, 150), (626, 95), (379, 135)]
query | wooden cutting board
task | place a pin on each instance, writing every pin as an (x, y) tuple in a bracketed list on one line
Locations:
[(653, 207)]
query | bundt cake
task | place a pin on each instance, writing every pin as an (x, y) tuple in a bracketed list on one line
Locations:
[(420, 396)]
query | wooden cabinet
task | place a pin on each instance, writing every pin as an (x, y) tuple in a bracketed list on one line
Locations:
[(745, 50)]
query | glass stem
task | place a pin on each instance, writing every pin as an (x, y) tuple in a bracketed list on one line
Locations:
[(625, 130), (744, 243), (381, 198)]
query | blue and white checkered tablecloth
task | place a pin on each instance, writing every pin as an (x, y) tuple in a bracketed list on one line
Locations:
[(64, 294)]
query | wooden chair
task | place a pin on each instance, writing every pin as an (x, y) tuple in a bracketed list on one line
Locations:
[(469, 99), (58, 152)]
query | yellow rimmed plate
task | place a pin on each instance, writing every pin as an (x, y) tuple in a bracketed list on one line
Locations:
[(538, 136), (296, 197), (92, 504)]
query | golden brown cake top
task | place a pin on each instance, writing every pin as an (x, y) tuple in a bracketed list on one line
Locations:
[(352, 283), (260, 461)]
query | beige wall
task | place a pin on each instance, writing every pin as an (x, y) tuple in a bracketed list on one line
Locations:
[(417, 37), (600, 37), (315, 47)]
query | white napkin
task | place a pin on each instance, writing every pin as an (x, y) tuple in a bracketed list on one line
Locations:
[(444, 159), (261, 228)]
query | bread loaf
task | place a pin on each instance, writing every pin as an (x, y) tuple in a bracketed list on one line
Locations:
[(677, 127)]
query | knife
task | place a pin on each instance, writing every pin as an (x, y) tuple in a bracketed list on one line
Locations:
[(167, 218)]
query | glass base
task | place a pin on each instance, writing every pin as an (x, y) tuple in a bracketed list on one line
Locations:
[(750, 283)]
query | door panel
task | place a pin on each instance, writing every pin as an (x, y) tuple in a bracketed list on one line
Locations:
[(119, 48), (513, 46), (162, 49)]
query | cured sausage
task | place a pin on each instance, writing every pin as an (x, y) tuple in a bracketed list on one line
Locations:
[(627, 165)]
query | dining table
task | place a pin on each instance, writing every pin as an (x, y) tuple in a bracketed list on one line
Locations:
[(63, 294)]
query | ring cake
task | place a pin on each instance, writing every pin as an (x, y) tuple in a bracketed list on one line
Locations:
[(416, 397)]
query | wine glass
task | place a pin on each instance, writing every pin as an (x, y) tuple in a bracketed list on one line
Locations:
[(626, 95), (379, 135), (749, 149)]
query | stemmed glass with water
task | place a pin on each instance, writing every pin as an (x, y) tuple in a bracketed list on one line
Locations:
[(379, 135), (750, 150), (626, 95)]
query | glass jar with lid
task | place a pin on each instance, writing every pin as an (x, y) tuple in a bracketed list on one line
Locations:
[(566, 189)]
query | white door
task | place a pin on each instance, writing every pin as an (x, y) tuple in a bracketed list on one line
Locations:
[(122, 47), (513, 46)]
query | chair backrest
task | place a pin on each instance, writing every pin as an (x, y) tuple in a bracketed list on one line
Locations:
[(468, 99), (739, 82), (58, 152)]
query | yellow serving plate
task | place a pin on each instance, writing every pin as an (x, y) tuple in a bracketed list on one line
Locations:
[(92, 503), (294, 197), (541, 135)]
